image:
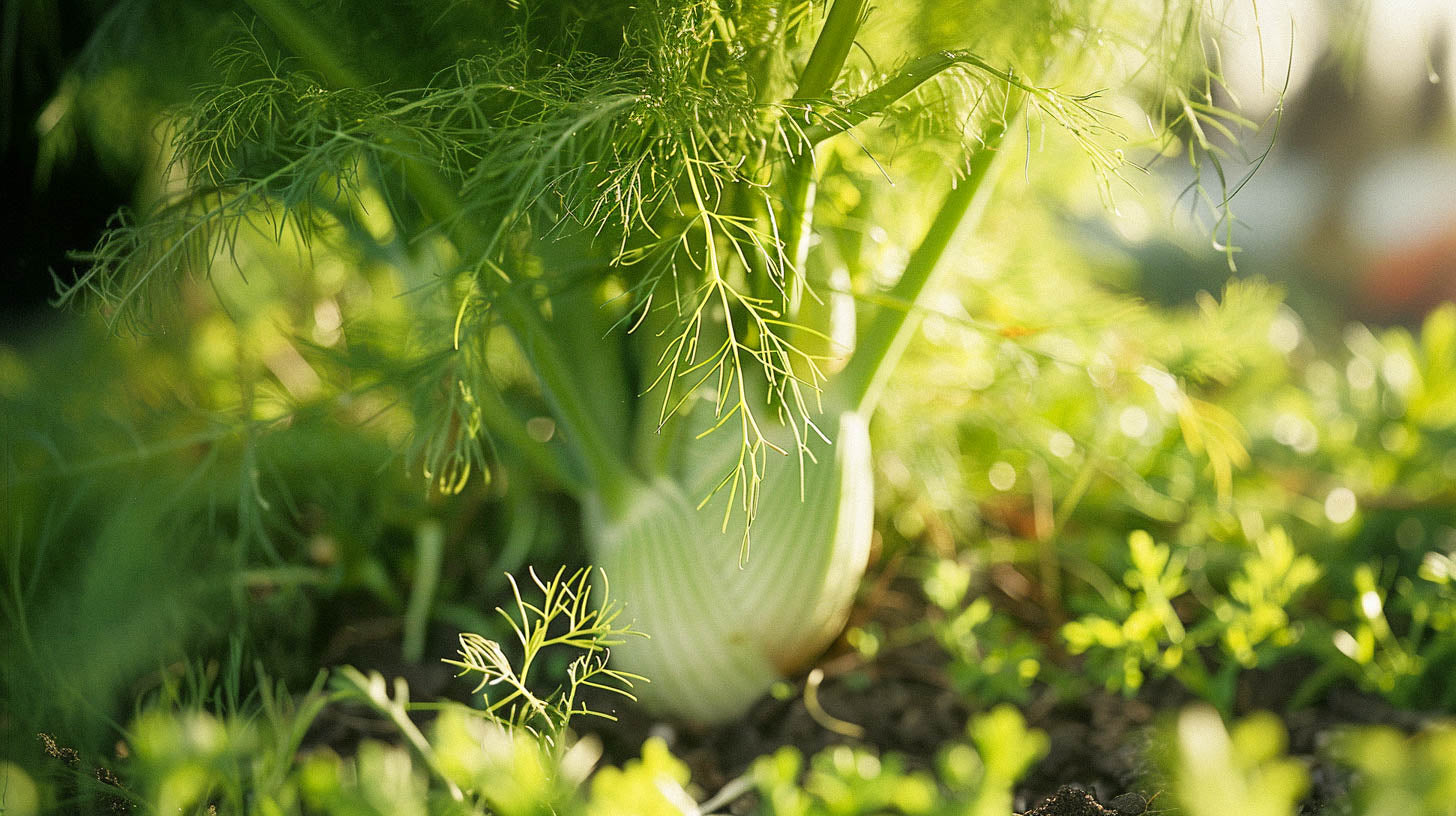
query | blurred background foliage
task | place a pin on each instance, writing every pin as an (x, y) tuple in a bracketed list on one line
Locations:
[(1109, 459)]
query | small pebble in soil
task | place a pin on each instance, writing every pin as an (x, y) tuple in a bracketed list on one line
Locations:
[(1129, 804)]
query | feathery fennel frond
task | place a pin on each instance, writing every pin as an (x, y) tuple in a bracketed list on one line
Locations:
[(565, 617), (726, 375), (450, 438), (650, 154), (628, 150), (673, 148), (269, 156)]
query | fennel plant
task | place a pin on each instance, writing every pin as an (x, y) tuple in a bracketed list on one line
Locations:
[(623, 200)]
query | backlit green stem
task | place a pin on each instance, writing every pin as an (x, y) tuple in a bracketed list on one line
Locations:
[(299, 35), (429, 552), (824, 66), (604, 465), (506, 426), (654, 439), (882, 344), (608, 473), (438, 199), (831, 49), (798, 223), (916, 73)]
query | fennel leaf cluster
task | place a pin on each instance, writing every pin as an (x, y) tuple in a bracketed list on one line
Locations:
[(651, 162)]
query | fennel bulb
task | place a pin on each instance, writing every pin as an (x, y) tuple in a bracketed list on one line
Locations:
[(720, 632)]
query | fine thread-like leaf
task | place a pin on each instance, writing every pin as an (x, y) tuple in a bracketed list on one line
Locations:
[(565, 616)]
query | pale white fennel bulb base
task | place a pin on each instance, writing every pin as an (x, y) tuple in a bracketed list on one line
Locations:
[(719, 635)]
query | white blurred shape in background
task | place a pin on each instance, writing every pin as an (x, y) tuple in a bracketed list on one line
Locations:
[(1361, 188)]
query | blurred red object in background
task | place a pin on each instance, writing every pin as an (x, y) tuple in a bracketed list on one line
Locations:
[(1408, 280)]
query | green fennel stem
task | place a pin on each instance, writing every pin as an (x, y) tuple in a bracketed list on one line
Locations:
[(429, 552), (301, 38), (605, 467), (916, 73), (608, 474), (883, 342), (831, 49), (545, 461), (825, 63)]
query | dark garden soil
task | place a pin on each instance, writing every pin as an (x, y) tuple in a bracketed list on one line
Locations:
[(903, 702), (1101, 745), (1098, 763), (1097, 745)]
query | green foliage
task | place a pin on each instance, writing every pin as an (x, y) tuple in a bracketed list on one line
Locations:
[(1242, 770), (590, 225), (1251, 623), (565, 617), (990, 657), (538, 250), (1292, 503), (974, 777), (508, 771), (1145, 630), (666, 144), (18, 793), (1254, 615), (478, 761), (179, 756), (250, 753), (189, 757), (840, 780), (1399, 773), (465, 763), (650, 786), (470, 764)]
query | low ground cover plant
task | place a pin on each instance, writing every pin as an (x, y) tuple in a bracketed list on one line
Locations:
[(423, 303)]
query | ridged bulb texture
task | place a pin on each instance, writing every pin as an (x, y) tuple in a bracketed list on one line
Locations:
[(721, 634)]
